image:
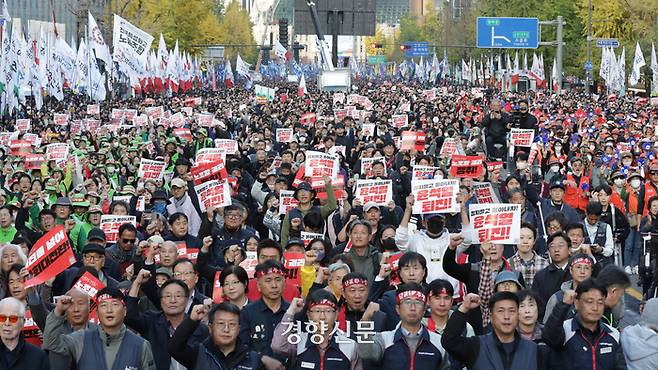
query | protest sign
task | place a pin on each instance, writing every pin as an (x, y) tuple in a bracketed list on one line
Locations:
[(110, 224), (368, 130), (213, 193), (339, 114), (228, 146), (429, 94), (400, 120), (217, 291), (484, 192), (61, 119), (293, 262), (140, 120), (57, 152), (183, 133), (423, 172), (23, 124), (130, 39), (49, 256), (496, 223), (150, 169), (284, 135), (33, 161), (249, 265), (522, 137), (93, 109), (413, 140), (435, 196), (366, 165), (31, 331), (449, 148), (308, 118), (378, 191), (339, 97), (463, 166), (33, 139), (286, 201), (89, 284), (177, 120), (209, 155), (206, 171), (307, 237), (319, 164), (494, 166), (205, 119), (20, 148)]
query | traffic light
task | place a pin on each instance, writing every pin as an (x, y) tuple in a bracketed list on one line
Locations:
[(283, 32), (404, 47), (375, 45)]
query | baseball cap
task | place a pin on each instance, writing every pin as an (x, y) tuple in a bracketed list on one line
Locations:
[(369, 205), (178, 182), (508, 276)]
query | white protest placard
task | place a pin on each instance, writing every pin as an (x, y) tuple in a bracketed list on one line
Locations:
[(110, 224), (57, 152), (423, 172), (150, 169), (400, 120), (307, 237), (319, 164), (484, 192), (93, 109), (23, 124), (449, 148), (366, 165), (205, 119), (368, 130), (435, 196), (140, 120), (283, 135), (496, 223), (209, 155), (378, 191), (177, 120), (339, 97), (286, 201), (228, 146), (213, 193), (61, 119), (522, 137)]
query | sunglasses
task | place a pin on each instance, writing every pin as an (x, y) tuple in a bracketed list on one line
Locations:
[(12, 318), (128, 240)]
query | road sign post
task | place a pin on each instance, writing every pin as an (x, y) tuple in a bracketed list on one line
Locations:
[(512, 33), (416, 49), (601, 43)]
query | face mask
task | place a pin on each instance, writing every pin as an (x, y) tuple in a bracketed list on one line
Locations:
[(389, 244), (302, 139), (635, 184), (626, 163), (589, 157), (558, 149), (438, 176), (111, 170), (320, 255), (521, 165), (619, 182), (555, 168), (435, 225)]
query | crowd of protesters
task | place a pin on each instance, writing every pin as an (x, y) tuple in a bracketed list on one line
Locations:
[(588, 191)]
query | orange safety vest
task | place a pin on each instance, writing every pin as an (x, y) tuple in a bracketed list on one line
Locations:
[(615, 200), (649, 192), (632, 200), (576, 197)]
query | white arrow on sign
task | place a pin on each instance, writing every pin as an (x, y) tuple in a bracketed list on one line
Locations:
[(494, 37)]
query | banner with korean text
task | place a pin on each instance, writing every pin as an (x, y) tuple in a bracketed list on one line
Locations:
[(435, 196), (378, 191), (49, 256), (497, 223)]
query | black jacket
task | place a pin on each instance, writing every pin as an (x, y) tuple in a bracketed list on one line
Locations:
[(154, 327), (24, 357), (548, 281)]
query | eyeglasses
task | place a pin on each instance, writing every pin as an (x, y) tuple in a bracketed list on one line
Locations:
[(92, 257), (233, 215), (653, 173), (412, 302), (557, 245), (12, 318), (186, 273), (126, 241)]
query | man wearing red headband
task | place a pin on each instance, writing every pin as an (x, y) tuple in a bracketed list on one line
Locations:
[(356, 307), (319, 344), (411, 345), (110, 343), (581, 268), (259, 318)]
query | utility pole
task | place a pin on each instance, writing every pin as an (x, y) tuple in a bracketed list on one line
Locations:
[(558, 43), (589, 40)]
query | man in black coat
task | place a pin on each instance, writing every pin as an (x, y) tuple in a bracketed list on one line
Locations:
[(15, 352)]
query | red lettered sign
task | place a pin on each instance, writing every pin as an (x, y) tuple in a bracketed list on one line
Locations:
[(110, 224), (496, 223), (286, 201), (202, 172), (378, 191), (31, 331), (522, 137), (150, 169), (89, 284), (466, 166), (50, 255), (435, 196), (213, 193), (413, 140)]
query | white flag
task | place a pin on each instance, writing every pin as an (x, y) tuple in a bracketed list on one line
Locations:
[(638, 63), (654, 70), (130, 39), (554, 76), (242, 68), (4, 17), (97, 43), (81, 67), (280, 51), (65, 56)]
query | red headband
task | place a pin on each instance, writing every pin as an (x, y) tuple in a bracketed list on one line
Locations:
[(442, 291), (322, 302), (414, 294), (271, 270), (583, 260), (107, 297), (354, 281)]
